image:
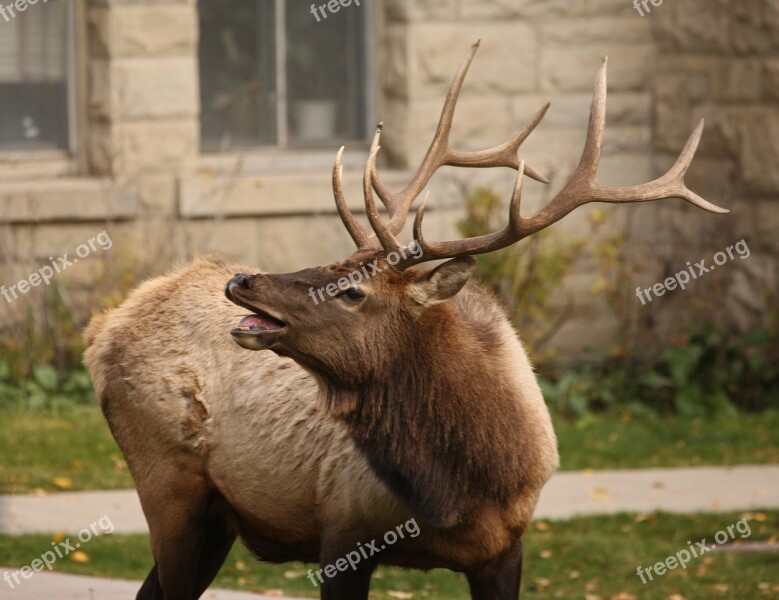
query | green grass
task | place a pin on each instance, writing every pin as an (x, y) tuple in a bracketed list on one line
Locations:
[(73, 449), (563, 559), (598, 442)]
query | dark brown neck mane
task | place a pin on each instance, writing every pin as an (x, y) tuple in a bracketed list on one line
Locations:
[(443, 427)]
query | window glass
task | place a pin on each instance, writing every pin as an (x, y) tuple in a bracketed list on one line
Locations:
[(33, 78), (271, 74), (325, 82)]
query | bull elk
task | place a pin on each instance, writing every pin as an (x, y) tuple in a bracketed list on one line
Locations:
[(406, 396)]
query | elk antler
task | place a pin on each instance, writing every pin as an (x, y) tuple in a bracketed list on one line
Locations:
[(582, 188), (439, 154)]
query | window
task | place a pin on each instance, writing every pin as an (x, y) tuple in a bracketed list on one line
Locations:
[(274, 74), (34, 63)]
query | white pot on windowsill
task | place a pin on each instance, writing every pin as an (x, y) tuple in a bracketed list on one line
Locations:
[(315, 120)]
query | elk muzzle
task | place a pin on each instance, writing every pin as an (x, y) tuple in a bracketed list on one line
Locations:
[(259, 330)]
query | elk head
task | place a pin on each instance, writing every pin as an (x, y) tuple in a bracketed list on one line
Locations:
[(350, 321)]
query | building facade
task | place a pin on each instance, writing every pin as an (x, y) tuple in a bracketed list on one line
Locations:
[(211, 125)]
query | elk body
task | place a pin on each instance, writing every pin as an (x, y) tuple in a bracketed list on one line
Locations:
[(406, 396)]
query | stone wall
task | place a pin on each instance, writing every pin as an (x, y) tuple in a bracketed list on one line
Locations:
[(719, 60)]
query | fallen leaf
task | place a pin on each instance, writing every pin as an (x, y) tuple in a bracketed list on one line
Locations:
[(600, 495), (545, 554), (79, 556), (542, 582), (62, 483)]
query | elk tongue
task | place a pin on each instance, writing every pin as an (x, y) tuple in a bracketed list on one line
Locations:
[(257, 322), (257, 332)]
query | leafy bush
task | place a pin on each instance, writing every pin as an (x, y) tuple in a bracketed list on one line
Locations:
[(45, 388), (712, 374)]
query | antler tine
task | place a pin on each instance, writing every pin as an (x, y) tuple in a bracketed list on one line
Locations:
[(384, 235), (440, 154), (359, 234), (510, 234), (582, 188)]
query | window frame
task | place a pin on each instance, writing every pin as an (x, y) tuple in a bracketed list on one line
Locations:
[(283, 157), (67, 157)]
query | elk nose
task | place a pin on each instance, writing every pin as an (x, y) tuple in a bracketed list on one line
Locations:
[(242, 280), (239, 280)]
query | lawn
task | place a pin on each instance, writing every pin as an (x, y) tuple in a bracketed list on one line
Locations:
[(594, 558), (73, 449)]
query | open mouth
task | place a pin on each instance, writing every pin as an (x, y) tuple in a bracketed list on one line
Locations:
[(258, 331)]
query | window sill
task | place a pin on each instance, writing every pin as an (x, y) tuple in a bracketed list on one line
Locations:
[(64, 200), (33, 164)]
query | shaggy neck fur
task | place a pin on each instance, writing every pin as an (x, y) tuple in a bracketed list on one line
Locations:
[(442, 427)]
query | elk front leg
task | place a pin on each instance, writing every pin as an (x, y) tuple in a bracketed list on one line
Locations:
[(190, 537), (353, 582), (499, 579)]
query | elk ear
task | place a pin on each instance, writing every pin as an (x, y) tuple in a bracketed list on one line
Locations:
[(443, 282)]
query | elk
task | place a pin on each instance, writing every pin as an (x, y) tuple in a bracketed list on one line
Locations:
[(406, 396)]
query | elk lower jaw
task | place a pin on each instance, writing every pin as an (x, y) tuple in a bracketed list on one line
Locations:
[(258, 331)]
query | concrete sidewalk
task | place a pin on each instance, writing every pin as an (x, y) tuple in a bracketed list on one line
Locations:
[(568, 494), (54, 586)]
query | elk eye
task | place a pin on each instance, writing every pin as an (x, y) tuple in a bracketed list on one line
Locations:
[(351, 293)]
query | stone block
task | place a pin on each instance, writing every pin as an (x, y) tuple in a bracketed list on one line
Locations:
[(524, 9), (427, 10), (573, 68), (505, 62), (171, 145), (153, 89)]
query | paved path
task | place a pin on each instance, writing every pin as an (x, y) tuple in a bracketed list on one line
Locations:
[(54, 586), (686, 490)]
